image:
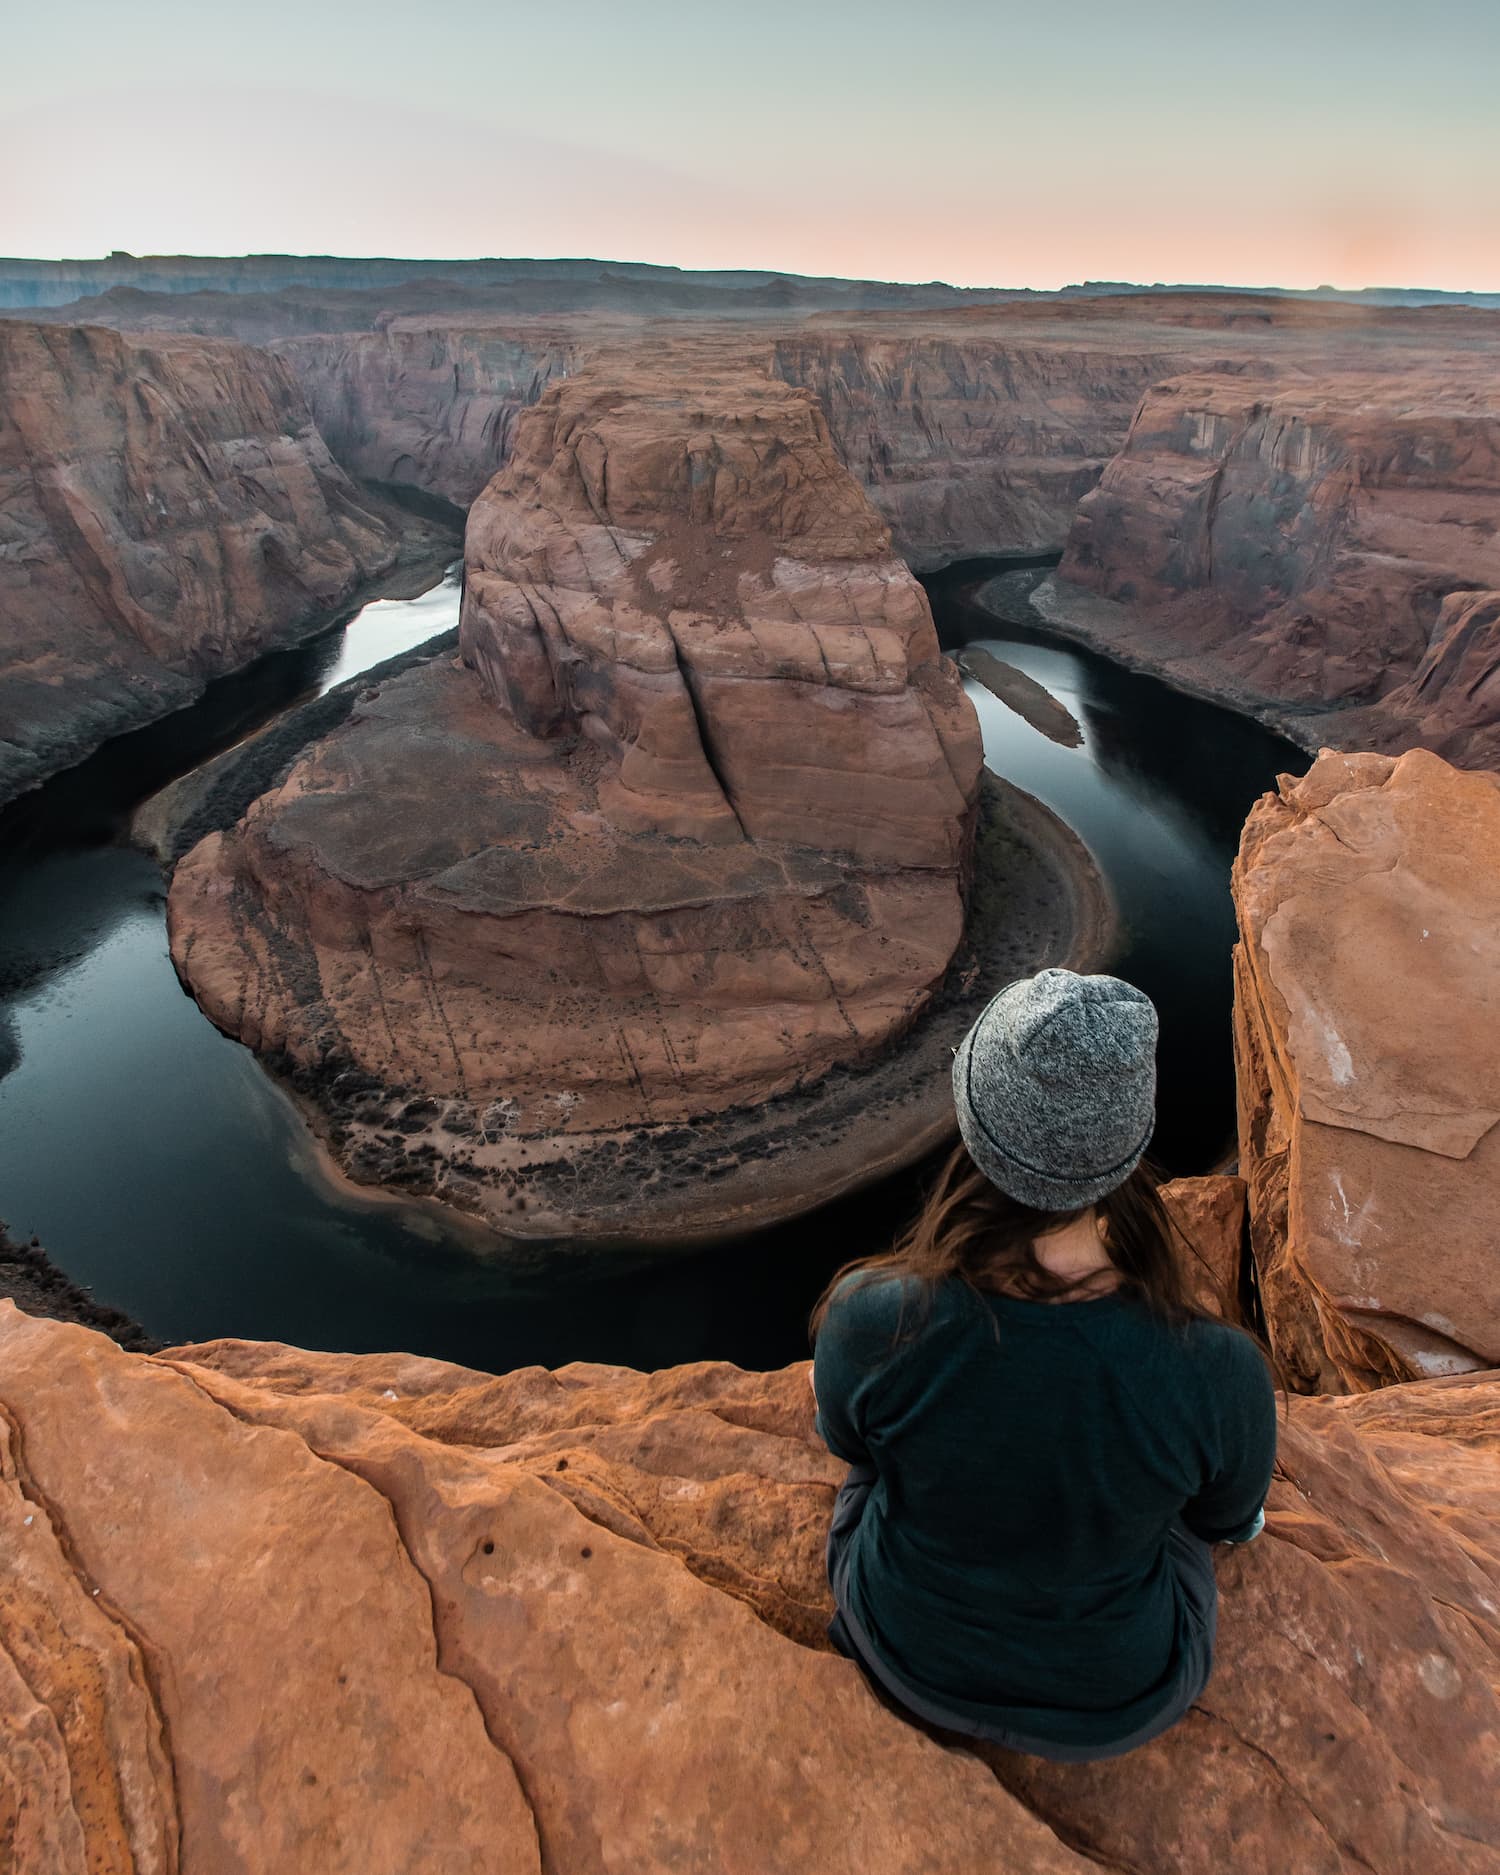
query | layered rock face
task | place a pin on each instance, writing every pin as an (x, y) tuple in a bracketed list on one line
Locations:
[(691, 579), (167, 512), (1324, 544), (973, 444), (430, 405), (970, 433), (691, 827), (1367, 1036), (978, 431), (264, 1610)]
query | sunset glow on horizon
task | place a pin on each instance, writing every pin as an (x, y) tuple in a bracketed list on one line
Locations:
[(1356, 145)]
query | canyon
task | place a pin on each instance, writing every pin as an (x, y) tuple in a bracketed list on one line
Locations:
[(1287, 503), (167, 511), (652, 910), (1324, 550)]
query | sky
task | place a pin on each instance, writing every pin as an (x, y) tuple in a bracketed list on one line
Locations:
[(1269, 142)]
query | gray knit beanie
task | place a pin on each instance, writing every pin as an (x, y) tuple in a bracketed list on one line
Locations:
[(1055, 1087)]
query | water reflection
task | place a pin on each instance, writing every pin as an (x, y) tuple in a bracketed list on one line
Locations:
[(1158, 790), (161, 1166)]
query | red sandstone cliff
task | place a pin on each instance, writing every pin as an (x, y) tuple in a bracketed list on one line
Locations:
[(263, 1611), (973, 432), (691, 830), (1323, 543), (970, 434), (974, 444), (1367, 1038), (430, 405), (167, 512)]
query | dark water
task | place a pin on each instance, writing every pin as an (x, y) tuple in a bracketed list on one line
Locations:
[(1158, 791), (161, 1167)]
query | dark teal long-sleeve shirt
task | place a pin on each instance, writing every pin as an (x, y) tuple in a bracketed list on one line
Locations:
[(1031, 1458)]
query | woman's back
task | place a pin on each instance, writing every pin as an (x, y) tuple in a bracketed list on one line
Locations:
[(1032, 1462)]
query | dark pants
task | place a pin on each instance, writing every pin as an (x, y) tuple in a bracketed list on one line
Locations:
[(1191, 1559)]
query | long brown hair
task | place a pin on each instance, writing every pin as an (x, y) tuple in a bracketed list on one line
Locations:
[(969, 1229)]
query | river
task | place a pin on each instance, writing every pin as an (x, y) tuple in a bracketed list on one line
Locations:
[(162, 1168)]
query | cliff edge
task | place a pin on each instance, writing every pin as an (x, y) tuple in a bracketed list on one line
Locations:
[(422, 1618), (167, 512)]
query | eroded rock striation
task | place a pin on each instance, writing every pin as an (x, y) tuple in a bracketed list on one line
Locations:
[(965, 443), (1323, 546), (1367, 1034), (688, 826), (429, 404), (978, 430), (167, 512), (261, 1609), (976, 442)]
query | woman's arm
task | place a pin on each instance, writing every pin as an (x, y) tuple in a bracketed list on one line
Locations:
[(853, 1348), (836, 1394)]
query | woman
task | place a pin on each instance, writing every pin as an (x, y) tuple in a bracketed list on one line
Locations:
[(1046, 1436)]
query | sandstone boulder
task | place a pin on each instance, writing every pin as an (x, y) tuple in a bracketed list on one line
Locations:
[(167, 512), (1211, 1219), (1367, 1035), (264, 1610)]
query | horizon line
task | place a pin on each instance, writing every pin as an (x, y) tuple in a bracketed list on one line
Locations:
[(472, 260)]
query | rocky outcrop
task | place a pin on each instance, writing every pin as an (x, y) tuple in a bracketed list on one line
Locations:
[(1367, 1038), (691, 829), (263, 1610), (1324, 544), (167, 512)]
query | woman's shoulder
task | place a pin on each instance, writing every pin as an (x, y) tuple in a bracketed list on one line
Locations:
[(870, 1298), (887, 1303), (1224, 1357)]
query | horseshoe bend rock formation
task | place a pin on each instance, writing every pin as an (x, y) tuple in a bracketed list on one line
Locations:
[(691, 828), (1325, 544), (264, 1610), (167, 512), (1367, 1038)]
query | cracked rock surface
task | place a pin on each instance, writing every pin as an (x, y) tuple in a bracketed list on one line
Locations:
[(264, 1610)]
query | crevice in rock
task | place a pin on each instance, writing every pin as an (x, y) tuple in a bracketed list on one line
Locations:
[(705, 741), (1278, 1772), (158, 1747), (546, 1857)]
